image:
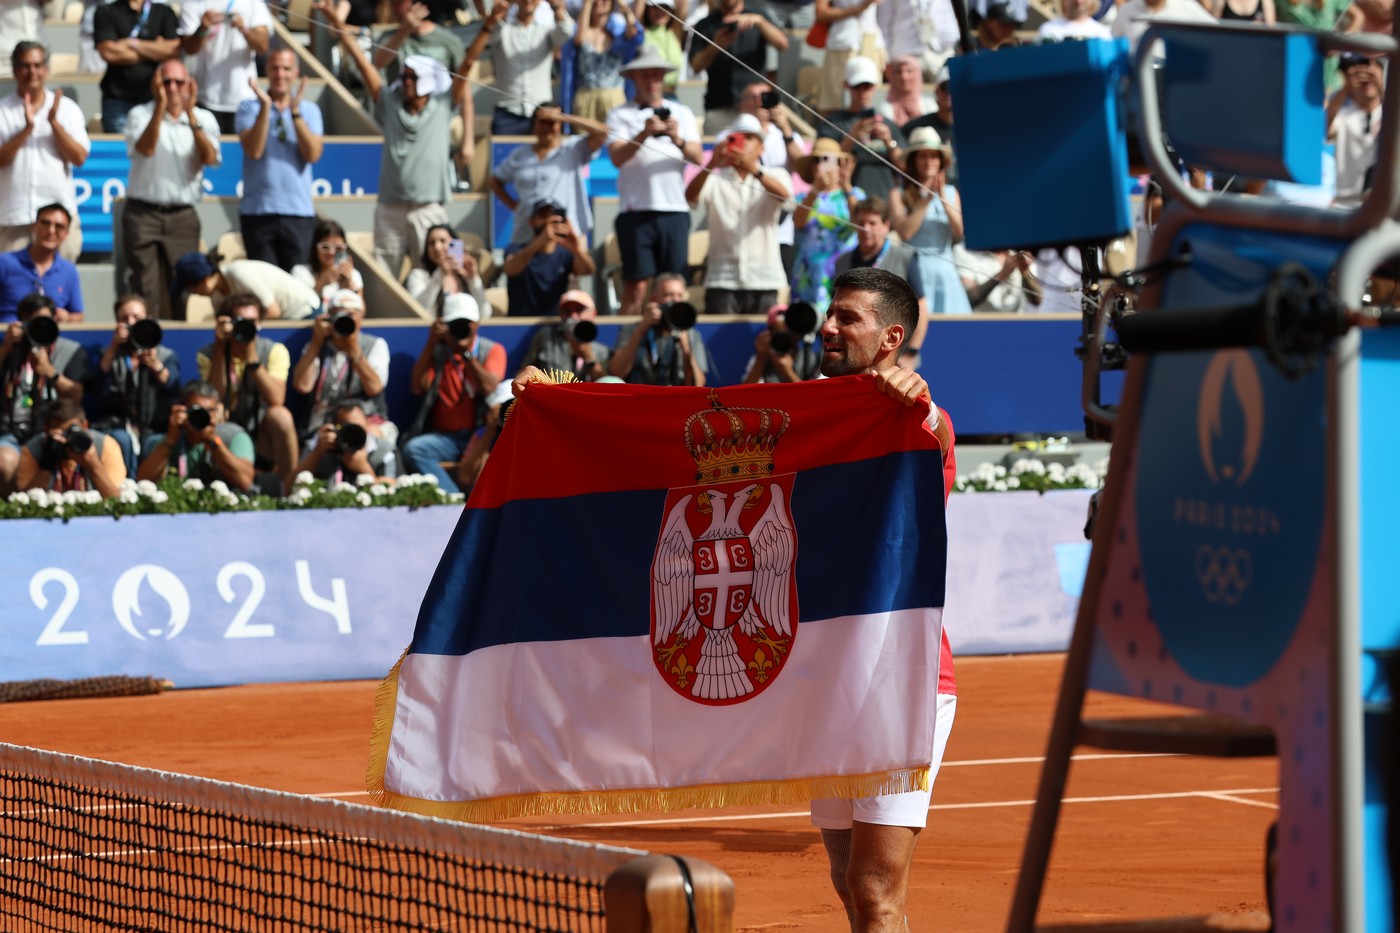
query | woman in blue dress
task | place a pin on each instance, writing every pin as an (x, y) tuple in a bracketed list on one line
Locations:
[(928, 217)]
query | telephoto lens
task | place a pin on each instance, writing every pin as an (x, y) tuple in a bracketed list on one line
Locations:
[(77, 440), (583, 331), (801, 318), (41, 330), (343, 323), (460, 329), (780, 343), (198, 417), (349, 438), (245, 330), (679, 315), (146, 334)]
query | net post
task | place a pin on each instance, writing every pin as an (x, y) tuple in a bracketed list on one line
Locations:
[(648, 895)]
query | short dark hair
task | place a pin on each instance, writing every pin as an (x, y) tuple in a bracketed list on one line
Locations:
[(240, 300), (127, 299), (23, 48), (62, 409), (197, 388), (895, 301), (346, 404), (32, 304), (55, 206), (874, 205)]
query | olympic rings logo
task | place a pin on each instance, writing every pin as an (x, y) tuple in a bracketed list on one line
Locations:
[(1224, 573)]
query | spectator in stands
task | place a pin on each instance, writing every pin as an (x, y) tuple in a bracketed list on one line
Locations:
[(478, 450), (170, 141), (33, 372), (941, 119), (137, 384), (782, 147), (746, 37), (881, 143), (906, 99), (447, 266), (652, 141), (607, 38), (419, 34), (43, 136), (279, 294), (250, 378), (541, 270), (551, 169), (329, 267), (874, 246), (557, 346), (335, 454), (1355, 123), (793, 357), (456, 372), (415, 169), (927, 214), (745, 269), (996, 26), (824, 220), (200, 443), (340, 362), (39, 267), (68, 456), (282, 138), (21, 22), (1134, 16), (663, 24), (522, 51), (852, 31), (1076, 21), (221, 39), (133, 37), (926, 29), (657, 350), (1003, 281)]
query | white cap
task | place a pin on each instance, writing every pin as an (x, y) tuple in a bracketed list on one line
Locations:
[(460, 306), (746, 123), (431, 77), (347, 300), (861, 70)]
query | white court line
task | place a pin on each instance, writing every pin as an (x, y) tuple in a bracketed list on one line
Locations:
[(1253, 803)]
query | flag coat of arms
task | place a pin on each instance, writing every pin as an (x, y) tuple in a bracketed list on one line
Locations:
[(659, 598)]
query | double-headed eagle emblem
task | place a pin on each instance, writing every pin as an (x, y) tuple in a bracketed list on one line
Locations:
[(724, 597)]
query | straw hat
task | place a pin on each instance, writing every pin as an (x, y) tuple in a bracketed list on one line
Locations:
[(806, 166), (926, 139), (648, 58)]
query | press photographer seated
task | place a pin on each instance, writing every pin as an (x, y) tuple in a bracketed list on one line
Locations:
[(348, 446), (69, 457), (200, 444)]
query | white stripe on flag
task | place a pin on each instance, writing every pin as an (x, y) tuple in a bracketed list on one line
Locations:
[(856, 697)]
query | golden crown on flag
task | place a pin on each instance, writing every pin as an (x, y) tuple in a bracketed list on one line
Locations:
[(733, 443)]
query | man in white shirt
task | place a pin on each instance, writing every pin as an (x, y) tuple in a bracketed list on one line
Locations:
[(20, 21), (782, 147), (222, 37), (743, 202), (653, 139), (170, 141), (42, 136), (1355, 124), (522, 51), (1135, 16)]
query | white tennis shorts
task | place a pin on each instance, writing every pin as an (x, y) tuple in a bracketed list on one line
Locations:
[(910, 809)]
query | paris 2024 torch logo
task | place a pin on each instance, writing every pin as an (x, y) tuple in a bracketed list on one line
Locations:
[(724, 594)]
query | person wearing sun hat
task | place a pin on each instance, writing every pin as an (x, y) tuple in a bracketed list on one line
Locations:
[(653, 140), (743, 203), (823, 220), (927, 215)]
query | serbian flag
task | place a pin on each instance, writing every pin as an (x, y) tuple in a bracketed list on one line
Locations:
[(660, 598)]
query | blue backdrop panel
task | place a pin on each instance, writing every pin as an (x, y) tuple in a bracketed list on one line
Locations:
[(206, 600)]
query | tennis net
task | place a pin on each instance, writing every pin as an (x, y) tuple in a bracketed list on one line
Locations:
[(93, 845)]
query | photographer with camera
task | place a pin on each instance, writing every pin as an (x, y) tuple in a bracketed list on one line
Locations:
[(139, 379), (743, 203), (654, 140), (881, 141), (343, 363), (788, 349), (745, 38), (37, 366), (199, 444), (249, 375), (663, 348), (538, 272), (455, 373), (68, 457), (783, 147), (345, 447), (570, 344)]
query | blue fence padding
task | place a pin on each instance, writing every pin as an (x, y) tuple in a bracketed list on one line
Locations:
[(993, 376)]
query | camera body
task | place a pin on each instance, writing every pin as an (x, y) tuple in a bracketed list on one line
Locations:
[(245, 330), (460, 329), (866, 114), (799, 320), (350, 438), (75, 443), (679, 315), (198, 417), (769, 100)]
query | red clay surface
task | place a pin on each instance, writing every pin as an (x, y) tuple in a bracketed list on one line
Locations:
[(1145, 837)]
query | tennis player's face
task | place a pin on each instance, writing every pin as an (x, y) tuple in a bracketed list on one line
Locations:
[(852, 336)]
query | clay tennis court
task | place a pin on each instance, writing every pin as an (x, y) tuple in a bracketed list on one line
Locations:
[(1145, 836)]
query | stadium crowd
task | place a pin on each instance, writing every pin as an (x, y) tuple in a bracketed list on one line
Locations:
[(791, 196)]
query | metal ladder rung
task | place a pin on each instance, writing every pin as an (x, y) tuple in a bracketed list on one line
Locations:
[(1207, 735)]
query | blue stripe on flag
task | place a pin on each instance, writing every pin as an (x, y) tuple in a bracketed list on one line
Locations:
[(580, 567)]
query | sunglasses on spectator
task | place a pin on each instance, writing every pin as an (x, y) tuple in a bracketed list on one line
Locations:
[(329, 247)]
